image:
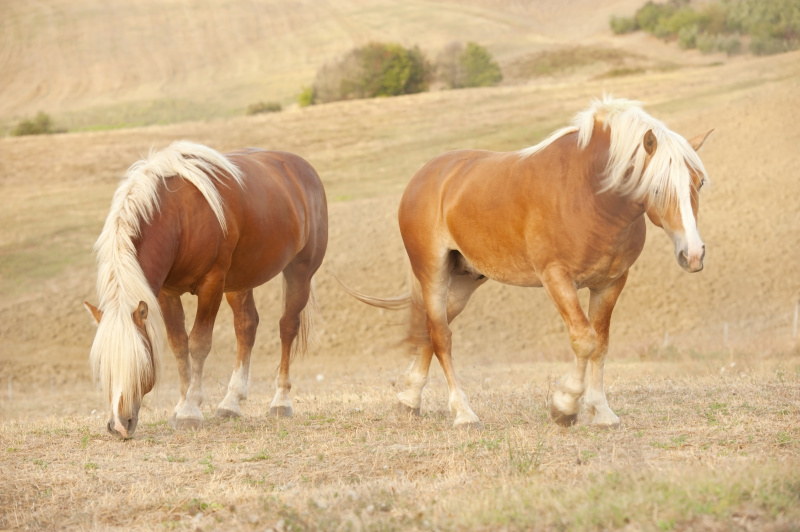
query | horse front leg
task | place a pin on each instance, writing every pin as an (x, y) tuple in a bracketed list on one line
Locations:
[(175, 323), (601, 304), (245, 322), (209, 297), (564, 404)]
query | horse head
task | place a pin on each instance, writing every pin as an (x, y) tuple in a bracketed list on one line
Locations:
[(125, 386), (676, 213)]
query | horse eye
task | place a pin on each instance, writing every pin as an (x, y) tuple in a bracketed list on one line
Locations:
[(702, 182)]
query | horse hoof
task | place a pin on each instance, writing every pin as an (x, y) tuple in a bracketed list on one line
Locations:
[(281, 411), (605, 423), (404, 409), (224, 413), (187, 423)]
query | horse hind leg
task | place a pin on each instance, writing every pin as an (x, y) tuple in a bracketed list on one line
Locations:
[(294, 325), (245, 321), (461, 286)]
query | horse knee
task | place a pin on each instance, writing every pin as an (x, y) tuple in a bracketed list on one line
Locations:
[(585, 343)]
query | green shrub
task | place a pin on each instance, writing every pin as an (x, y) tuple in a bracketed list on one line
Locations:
[(376, 69), (620, 25), (773, 25), (730, 44), (687, 37), (308, 96), (41, 124), (480, 69), (471, 66), (768, 45), (263, 107)]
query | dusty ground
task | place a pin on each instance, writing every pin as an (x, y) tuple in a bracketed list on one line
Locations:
[(710, 434)]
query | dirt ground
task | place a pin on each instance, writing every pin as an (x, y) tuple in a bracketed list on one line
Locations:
[(683, 340)]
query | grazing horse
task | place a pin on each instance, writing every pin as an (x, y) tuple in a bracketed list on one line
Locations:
[(565, 214), (189, 219)]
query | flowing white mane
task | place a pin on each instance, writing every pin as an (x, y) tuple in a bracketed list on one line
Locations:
[(119, 357), (667, 174)]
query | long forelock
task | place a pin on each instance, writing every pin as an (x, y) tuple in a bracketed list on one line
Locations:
[(666, 177), (119, 358)]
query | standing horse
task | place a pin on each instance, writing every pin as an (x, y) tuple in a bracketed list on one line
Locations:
[(189, 219), (565, 214)]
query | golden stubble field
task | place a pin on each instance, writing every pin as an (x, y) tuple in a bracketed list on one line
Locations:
[(710, 430)]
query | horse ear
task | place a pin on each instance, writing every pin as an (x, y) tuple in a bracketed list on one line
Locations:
[(140, 314), (96, 313), (698, 141), (650, 142)]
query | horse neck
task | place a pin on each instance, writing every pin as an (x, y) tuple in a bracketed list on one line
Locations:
[(614, 208)]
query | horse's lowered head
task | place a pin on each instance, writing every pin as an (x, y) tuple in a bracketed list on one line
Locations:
[(676, 210), (123, 362)]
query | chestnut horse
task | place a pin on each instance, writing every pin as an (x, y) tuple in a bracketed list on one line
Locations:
[(565, 214), (189, 219)]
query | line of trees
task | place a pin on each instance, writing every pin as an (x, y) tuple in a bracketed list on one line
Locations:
[(389, 69), (773, 26)]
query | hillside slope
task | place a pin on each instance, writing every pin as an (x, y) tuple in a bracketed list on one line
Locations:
[(93, 63)]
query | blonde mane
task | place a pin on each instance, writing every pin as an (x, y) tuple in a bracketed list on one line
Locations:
[(119, 357), (667, 175)]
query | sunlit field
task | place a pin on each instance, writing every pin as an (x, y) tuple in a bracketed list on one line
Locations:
[(703, 369)]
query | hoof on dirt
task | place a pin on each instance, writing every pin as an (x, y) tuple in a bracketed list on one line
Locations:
[(187, 423), (609, 425), (224, 413), (281, 411), (563, 419), (403, 408)]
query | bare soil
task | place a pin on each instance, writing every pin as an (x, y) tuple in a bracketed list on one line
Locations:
[(703, 369)]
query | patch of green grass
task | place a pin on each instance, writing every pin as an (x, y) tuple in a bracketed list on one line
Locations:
[(263, 455), (208, 462)]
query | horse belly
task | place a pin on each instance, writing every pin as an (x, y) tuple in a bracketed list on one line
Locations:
[(510, 269)]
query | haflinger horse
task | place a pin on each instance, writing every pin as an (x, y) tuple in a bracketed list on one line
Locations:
[(565, 214), (190, 219)]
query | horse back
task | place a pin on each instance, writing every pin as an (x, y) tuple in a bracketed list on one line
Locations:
[(280, 216)]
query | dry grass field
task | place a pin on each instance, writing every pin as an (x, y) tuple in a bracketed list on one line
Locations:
[(703, 369)]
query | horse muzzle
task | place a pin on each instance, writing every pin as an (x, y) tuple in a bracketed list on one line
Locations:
[(123, 427), (692, 262)]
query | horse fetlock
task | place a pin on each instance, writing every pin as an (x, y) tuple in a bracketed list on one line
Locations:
[(565, 403), (411, 398), (459, 407), (571, 385)]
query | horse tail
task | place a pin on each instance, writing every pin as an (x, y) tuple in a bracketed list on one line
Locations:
[(411, 301), (306, 332)]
